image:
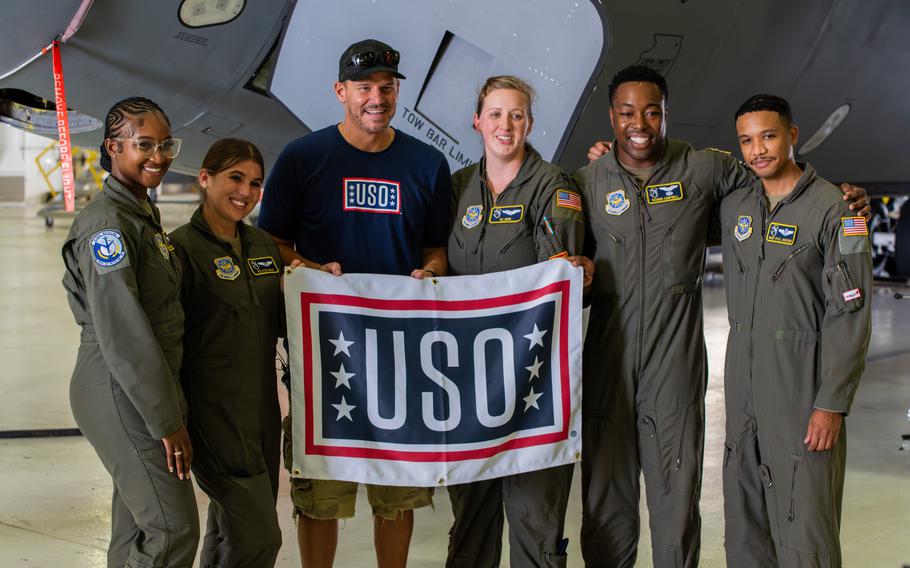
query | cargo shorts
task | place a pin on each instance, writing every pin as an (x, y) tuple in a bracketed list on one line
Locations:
[(327, 499)]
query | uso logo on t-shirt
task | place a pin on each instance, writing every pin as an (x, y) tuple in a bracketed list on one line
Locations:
[(372, 195)]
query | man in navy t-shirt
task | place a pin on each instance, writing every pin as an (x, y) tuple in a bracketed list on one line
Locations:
[(362, 197), (360, 193)]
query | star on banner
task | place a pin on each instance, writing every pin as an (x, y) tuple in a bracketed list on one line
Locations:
[(342, 377), (344, 410), (341, 346), (535, 369), (530, 400), (535, 337)]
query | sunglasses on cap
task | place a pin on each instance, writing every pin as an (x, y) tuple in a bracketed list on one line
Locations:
[(366, 59)]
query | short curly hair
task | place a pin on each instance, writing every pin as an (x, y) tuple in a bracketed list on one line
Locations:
[(636, 73)]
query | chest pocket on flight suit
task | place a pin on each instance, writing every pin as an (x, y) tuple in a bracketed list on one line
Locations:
[(610, 260), (159, 279), (683, 246), (518, 246), (213, 323), (735, 269)]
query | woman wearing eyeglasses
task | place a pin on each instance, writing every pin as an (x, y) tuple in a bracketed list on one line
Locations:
[(123, 283), (512, 209), (234, 316)]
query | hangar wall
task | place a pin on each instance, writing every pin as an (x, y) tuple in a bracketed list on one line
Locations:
[(21, 181)]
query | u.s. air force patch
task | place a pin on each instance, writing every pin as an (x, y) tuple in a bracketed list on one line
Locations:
[(225, 268), (262, 265), (664, 193), (472, 216), (781, 233), (108, 250), (617, 202), (743, 228), (507, 213)]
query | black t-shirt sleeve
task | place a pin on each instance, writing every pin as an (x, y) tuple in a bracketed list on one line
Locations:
[(279, 212), (436, 233)]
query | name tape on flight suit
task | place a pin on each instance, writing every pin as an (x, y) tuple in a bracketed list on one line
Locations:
[(225, 268), (507, 214), (262, 265), (781, 233), (372, 195), (664, 193)]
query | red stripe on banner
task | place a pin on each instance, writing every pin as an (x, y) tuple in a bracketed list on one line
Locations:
[(307, 299), (63, 134)]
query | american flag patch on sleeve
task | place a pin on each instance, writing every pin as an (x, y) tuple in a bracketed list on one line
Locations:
[(854, 226), (568, 199)]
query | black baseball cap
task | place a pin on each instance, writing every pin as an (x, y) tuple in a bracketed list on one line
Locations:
[(366, 57)]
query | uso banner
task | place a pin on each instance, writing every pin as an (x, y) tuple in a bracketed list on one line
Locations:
[(397, 381)]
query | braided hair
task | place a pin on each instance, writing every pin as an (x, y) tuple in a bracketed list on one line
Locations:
[(117, 117)]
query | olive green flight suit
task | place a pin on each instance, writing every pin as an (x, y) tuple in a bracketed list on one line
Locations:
[(645, 369), (123, 284), (234, 316), (537, 217), (797, 283)]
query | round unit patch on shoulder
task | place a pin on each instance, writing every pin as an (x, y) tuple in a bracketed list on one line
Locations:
[(107, 248)]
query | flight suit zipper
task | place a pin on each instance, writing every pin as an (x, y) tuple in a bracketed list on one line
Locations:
[(679, 441), (763, 209), (651, 429), (790, 515), (679, 217), (246, 270), (783, 265), (642, 210), (522, 233), (739, 262)]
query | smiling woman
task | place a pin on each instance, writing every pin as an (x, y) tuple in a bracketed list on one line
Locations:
[(124, 290), (511, 210), (234, 316)]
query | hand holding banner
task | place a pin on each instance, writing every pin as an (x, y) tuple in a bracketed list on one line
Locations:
[(397, 381)]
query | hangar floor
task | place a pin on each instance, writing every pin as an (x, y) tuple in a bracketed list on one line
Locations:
[(54, 505)]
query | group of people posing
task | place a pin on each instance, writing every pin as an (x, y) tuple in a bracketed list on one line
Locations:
[(176, 367)]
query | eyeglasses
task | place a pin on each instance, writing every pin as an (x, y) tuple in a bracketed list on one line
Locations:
[(169, 148), (389, 57)]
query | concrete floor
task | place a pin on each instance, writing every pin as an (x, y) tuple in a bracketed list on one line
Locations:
[(54, 501)]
